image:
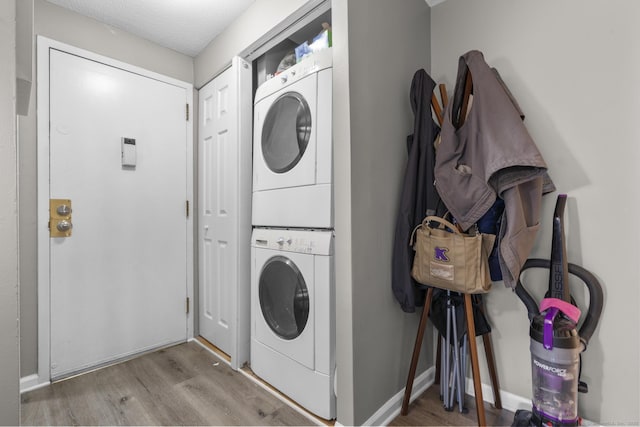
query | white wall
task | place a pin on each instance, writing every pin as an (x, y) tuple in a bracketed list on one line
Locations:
[(9, 368), (77, 30), (573, 65)]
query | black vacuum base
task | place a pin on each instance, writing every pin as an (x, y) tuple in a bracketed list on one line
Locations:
[(533, 419)]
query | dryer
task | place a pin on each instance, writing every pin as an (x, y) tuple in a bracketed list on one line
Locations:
[(292, 154), (292, 315)]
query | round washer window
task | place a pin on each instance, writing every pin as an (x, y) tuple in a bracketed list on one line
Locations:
[(284, 297), (286, 132)]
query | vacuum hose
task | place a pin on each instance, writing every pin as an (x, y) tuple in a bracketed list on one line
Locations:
[(595, 295)]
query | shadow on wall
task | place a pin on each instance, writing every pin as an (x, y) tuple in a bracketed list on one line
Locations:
[(587, 406), (562, 158), (590, 404)]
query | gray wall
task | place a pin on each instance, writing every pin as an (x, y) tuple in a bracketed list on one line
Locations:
[(386, 45), (71, 28), (573, 65), (68, 27), (24, 57), (9, 368)]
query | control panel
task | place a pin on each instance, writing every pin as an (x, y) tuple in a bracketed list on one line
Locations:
[(300, 241), (128, 147)]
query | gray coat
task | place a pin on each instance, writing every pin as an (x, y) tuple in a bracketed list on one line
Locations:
[(491, 155)]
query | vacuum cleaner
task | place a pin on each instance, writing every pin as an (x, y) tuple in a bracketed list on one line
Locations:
[(556, 342)]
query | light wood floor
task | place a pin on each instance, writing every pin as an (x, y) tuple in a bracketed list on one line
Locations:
[(180, 385), (187, 385), (427, 410)]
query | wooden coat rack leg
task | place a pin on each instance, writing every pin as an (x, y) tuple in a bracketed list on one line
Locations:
[(416, 352), (491, 362), (473, 351)]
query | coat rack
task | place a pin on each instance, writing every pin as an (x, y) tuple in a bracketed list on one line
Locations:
[(460, 116)]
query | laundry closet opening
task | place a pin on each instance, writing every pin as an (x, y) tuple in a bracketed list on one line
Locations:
[(265, 177)]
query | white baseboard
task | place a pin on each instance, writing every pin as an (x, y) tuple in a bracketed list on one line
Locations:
[(511, 402), (391, 409), (32, 382)]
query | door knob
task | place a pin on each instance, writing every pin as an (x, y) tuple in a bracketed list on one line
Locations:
[(64, 226)]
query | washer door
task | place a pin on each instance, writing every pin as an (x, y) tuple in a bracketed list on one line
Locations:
[(283, 303), (284, 297), (285, 125)]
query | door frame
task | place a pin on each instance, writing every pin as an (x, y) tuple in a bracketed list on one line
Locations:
[(44, 45), (240, 295)]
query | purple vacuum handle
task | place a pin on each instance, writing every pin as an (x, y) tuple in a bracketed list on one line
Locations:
[(547, 337), (596, 296), (553, 306)]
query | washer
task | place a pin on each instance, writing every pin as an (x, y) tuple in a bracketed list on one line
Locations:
[(292, 155), (292, 315)]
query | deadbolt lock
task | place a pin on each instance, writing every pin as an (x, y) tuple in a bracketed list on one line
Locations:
[(63, 210), (60, 224)]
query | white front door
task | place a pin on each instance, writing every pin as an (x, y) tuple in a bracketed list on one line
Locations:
[(224, 149), (118, 284)]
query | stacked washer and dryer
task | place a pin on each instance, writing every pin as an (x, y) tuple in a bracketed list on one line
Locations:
[(292, 277)]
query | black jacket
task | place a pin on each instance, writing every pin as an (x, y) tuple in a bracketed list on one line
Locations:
[(419, 197)]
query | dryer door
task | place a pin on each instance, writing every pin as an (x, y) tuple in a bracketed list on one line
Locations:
[(284, 308), (286, 132), (285, 137)]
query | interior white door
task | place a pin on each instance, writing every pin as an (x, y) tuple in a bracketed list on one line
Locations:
[(118, 285), (225, 212)]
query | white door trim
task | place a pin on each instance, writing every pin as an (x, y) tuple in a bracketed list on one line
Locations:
[(44, 45)]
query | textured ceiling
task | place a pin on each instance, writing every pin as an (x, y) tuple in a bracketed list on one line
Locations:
[(183, 25)]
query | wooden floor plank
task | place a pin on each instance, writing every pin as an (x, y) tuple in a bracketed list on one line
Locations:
[(180, 385), (187, 385), (427, 410)]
